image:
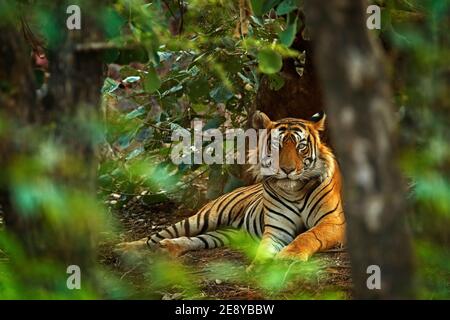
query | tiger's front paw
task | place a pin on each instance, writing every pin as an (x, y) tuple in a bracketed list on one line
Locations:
[(131, 247), (250, 268), (255, 268), (258, 264), (174, 247), (289, 253)]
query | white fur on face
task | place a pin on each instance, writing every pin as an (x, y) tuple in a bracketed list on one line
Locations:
[(288, 184)]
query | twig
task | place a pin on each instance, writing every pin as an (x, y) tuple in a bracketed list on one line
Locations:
[(159, 128), (129, 271), (170, 10), (342, 249), (288, 270), (155, 193), (33, 40), (340, 267), (181, 5), (94, 46)]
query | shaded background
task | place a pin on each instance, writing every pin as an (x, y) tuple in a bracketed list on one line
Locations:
[(86, 118)]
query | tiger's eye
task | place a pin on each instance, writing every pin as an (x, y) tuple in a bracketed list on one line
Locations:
[(302, 146)]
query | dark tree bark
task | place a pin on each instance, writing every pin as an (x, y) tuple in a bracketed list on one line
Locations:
[(301, 94), (66, 118), (77, 72), (19, 109), (16, 75), (363, 129)]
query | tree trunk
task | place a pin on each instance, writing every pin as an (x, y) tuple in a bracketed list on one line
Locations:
[(76, 78), (67, 121), (363, 129), (19, 109), (301, 95)]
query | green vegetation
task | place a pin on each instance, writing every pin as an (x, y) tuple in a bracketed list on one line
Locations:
[(170, 64)]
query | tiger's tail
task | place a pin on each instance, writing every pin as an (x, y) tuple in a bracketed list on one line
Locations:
[(197, 224)]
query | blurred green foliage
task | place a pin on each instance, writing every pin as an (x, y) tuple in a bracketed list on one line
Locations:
[(421, 76), (207, 72), (172, 64)]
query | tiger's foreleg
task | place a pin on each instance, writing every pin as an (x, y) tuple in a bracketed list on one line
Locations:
[(272, 242), (268, 248), (327, 234), (209, 240)]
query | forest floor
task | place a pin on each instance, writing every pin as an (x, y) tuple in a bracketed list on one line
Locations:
[(138, 220)]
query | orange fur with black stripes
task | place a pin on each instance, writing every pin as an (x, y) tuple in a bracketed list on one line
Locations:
[(295, 211)]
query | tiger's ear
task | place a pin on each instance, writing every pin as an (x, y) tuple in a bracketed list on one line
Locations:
[(260, 120), (318, 121)]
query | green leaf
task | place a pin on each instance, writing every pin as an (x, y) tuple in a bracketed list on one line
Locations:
[(174, 89), (193, 71), (257, 7), (164, 56), (244, 78), (260, 7), (269, 61), (105, 180), (287, 36), (287, 6), (214, 123), (109, 86), (127, 71), (134, 153), (200, 108), (111, 22), (132, 79), (198, 89), (124, 141), (257, 20), (135, 113), (151, 81), (221, 94), (276, 82)]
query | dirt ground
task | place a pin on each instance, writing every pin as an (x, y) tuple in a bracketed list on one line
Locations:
[(138, 220)]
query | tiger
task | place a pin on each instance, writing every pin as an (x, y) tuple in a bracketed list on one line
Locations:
[(294, 212)]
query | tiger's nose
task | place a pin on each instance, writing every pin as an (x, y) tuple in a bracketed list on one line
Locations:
[(288, 169)]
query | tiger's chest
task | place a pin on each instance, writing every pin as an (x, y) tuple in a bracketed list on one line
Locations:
[(264, 209)]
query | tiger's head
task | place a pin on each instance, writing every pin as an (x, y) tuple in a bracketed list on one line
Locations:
[(301, 154)]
